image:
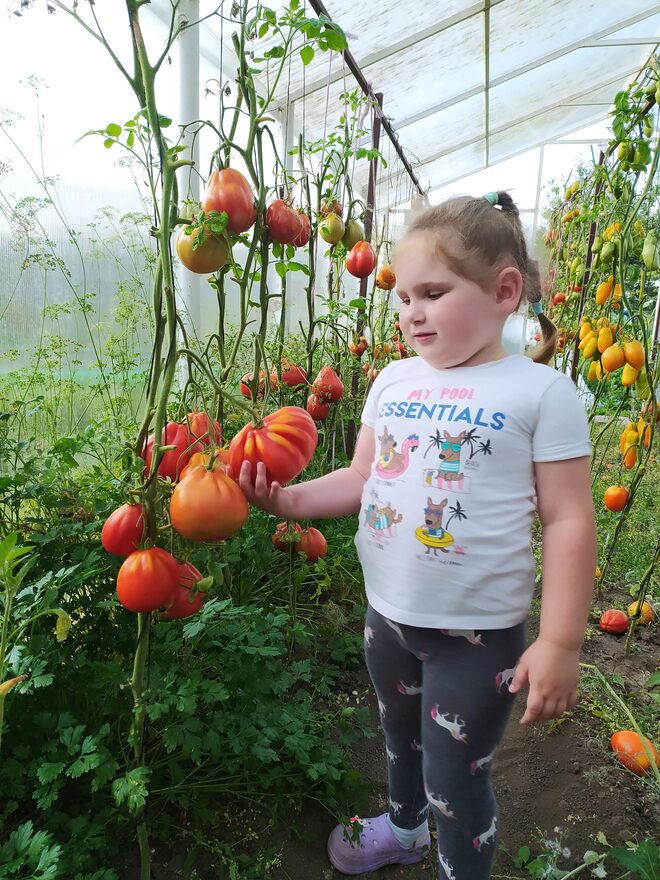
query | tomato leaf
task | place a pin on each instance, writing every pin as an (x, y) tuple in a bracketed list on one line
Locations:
[(275, 52), (113, 130), (280, 268), (643, 861), (653, 679), (306, 54), (263, 30)]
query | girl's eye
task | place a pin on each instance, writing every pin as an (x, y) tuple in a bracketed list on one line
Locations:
[(404, 302), (435, 295)]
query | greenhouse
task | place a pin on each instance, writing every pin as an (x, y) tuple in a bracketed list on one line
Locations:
[(329, 403)]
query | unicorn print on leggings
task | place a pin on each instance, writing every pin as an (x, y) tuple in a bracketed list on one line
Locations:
[(454, 727), (487, 837)]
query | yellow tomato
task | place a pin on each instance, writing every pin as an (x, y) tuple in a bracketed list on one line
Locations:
[(634, 354), (629, 375), (646, 613), (605, 339)]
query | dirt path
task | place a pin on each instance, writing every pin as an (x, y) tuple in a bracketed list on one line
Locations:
[(556, 776)]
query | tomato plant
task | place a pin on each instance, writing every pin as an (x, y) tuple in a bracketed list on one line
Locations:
[(286, 534), (227, 190), (246, 380), (283, 222), (123, 530), (147, 580), (207, 505), (331, 206), (187, 600), (361, 260), (285, 441), (205, 258)]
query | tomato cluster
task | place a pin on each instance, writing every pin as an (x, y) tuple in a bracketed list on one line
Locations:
[(292, 537)]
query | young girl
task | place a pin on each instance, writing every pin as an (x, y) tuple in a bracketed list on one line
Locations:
[(457, 449)]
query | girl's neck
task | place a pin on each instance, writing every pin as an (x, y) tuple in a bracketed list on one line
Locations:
[(486, 355)]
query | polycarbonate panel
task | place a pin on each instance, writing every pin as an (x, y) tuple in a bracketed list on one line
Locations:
[(647, 29), (560, 81), (518, 176), (453, 166), (447, 130), (522, 33), (538, 130)]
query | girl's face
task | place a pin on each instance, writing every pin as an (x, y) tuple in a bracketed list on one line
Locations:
[(446, 319)]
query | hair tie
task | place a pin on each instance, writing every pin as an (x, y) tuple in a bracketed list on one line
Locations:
[(537, 308), (493, 198)]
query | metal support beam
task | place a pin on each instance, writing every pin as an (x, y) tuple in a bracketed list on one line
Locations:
[(487, 77), (319, 9)]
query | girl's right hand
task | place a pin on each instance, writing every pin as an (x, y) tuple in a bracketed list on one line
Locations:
[(272, 499)]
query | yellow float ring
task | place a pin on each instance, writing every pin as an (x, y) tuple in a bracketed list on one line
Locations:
[(431, 541)]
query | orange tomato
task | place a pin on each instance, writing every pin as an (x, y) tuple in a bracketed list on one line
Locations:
[(207, 505), (613, 358), (615, 498), (385, 278), (605, 339), (614, 621), (646, 612), (627, 745), (634, 354)]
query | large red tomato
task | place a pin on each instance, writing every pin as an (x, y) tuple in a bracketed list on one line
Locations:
[(305, 231), (203, 431), (292, 375), (327, 386), (147, 580), (187, 600), (211, 461), (285, 442), (284, 224), (614, 621), (210, 256), (286, 535), (174, 460), (227, 190), (361, 259), (313, 544), (318, 409), (123, 529), (261, 385), (207, 505)]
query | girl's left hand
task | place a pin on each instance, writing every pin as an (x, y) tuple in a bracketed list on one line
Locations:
[(552, 673)]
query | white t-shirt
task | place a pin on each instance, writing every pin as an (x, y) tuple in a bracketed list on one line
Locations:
[(446, 514)]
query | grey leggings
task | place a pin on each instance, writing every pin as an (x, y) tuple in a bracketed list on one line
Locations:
[(444, 702)]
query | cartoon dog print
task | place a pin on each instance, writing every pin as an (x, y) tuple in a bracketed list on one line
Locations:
[(382, 519), (433, 523), (450, 457)]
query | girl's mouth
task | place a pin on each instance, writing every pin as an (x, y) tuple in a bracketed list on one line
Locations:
[(422, 337)]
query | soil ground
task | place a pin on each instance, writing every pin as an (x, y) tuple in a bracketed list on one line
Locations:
[(554, 776), (554, 781)]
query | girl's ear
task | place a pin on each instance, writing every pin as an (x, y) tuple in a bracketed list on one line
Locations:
[(508, 288)]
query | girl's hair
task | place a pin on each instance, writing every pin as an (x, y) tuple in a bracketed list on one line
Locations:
[(476, 238)]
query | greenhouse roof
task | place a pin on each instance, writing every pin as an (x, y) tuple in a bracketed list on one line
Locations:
[(476, 82)]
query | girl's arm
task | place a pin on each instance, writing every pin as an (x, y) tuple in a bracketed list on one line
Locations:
[(551, 664), (334, 494)]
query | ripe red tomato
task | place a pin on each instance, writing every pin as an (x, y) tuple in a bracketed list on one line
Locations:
[(203, 431), (284, 224), (174, 460), (361, 260), (207, 505), (331, 206), (327, 386), (261, 388), (285, 441), (627, 744), (123, 529), (312, 544), (614, 621), (208, 257), (218, 459), (147, 580), (317, 409), (286, 535), (385, 278), (227, 190), (187, 600), (615, 498), (292, 375), (305, 231)]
